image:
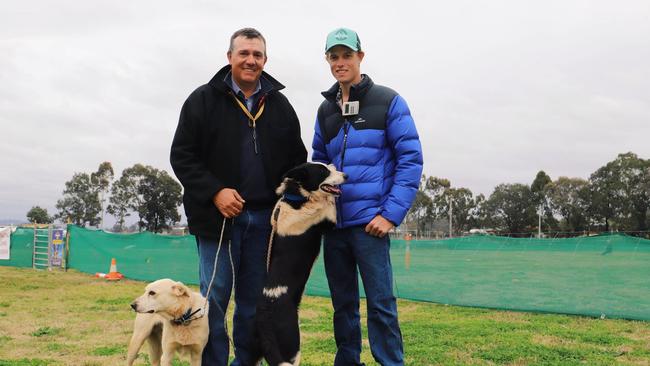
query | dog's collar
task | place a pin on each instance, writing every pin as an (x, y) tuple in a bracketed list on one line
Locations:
[(294, 198), (186, 318)]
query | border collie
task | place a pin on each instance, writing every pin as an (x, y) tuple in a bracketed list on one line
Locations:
[(305, 210)]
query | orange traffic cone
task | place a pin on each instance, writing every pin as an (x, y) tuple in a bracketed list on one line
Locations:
[(113, 274)]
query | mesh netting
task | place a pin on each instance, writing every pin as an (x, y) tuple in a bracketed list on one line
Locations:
[(605, 275), (142, 256), (22, 244)]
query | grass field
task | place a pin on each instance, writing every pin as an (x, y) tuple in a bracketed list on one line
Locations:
[(56, 318)]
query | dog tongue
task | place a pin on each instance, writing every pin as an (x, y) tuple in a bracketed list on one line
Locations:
[(331, 189)]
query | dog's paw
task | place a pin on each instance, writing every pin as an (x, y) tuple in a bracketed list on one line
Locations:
[(285, 364)]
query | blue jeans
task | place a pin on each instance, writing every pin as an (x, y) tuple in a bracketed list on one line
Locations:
[(248, 245), (346, 251)]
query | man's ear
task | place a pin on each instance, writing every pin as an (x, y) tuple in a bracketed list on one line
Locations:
[(179, 289), (361, 54)]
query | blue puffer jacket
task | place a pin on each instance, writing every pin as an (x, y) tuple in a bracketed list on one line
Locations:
[(379, 149)]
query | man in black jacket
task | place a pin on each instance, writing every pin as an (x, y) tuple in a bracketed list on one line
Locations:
[(236, 137)]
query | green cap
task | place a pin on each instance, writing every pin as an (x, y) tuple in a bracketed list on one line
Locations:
[(344, 37)]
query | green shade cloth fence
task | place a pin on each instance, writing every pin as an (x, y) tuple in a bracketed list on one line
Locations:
[(22, 248), (600, 276)]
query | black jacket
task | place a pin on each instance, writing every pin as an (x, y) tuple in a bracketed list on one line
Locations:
[(205, 153)]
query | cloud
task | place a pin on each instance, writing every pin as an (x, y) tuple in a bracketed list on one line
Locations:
[(499, 90)]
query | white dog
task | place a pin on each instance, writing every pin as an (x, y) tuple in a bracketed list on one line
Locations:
[(172, 318)]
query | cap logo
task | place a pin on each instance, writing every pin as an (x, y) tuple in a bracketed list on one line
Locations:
[(341, 35)]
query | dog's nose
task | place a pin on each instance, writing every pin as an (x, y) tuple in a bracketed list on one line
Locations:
[(345, 176), (134, 305)]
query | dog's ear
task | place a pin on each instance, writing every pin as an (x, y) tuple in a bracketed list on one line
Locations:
[(290, 180), (280, 190), (298, 173), (179, 289)]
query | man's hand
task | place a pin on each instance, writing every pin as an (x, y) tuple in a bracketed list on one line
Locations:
[(228, 202), (379, 226)]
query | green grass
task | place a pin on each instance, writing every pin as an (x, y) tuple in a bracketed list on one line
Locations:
[(110, 350), (25, 362), (45, 331), (69, 319)]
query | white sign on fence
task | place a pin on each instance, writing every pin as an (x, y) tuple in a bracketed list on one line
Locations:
[(5, 244)]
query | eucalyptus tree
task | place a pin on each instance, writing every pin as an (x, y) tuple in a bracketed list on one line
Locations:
[(38, 215), (512, 207), (151, 193), (618, 193), (569, 199)]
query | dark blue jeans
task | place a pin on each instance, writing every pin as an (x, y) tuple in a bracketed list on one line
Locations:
[(250, 238), (347, 251)]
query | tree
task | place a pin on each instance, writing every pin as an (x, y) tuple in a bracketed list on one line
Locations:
[(82, 200), (512, 206), (539, 189), (435, 188), (150, 192), (632, 171), (80, 203), (462, 203), (478, 216), (101, 179), (421, 210), (645, 181), (569, 199), (618, 194), (603, 196), (539, 184), (38, 215), (123, 194)]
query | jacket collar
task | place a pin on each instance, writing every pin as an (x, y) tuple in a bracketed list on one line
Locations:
[(218, 81), (357, 91)]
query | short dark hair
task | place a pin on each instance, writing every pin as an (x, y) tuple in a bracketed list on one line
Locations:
[(249, 33)]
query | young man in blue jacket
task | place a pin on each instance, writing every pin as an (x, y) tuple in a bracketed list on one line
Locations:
[(365, 130)]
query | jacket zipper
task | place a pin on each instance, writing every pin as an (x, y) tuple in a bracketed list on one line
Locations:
[(260, 103), (346, 127)]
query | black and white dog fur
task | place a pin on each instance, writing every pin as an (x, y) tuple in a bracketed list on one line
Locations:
[(307, 208)]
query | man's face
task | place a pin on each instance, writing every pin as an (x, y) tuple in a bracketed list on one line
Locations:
[(345, 64), (247, 59)]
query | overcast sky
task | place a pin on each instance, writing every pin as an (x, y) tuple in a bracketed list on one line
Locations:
[(498, 89)]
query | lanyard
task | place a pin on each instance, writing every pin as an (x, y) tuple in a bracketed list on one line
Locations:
[(251, 119)]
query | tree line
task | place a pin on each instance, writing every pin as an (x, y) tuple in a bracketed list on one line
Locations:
[(615, 197), (151, 194)]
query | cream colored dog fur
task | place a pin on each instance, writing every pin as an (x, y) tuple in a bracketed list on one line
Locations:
[(164, 301)]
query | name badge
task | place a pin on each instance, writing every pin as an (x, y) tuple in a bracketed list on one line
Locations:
[(350, 108)]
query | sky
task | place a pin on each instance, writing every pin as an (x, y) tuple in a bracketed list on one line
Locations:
[(499, 90)]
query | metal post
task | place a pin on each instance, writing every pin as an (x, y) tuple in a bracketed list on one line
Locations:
[(451, 211), (539, 225), (49, 247)]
